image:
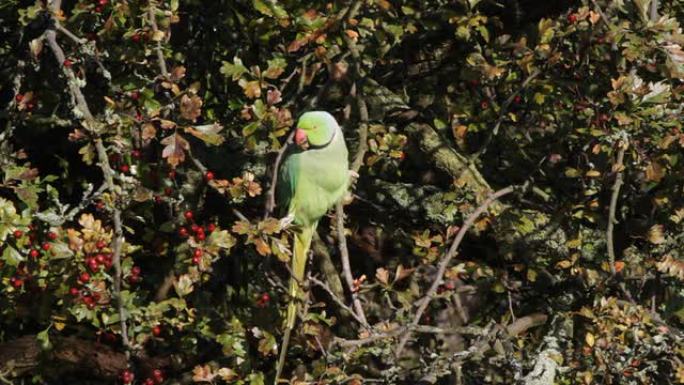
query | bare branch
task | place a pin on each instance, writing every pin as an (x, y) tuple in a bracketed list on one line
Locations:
[(157, 47)]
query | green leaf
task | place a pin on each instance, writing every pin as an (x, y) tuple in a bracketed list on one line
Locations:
[(235, 70), (11, 256)]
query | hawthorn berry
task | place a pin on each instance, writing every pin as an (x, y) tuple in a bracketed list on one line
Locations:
[(34, 253), (100, 258), (136, 154), (197, 253), (92, 264), (127, 376), (196, 260), (194, 228), (135, 38), (45, 246), (158, 376), (517, 99), (84, 277), (183, 232), (171, 174), (484, 104), (99, 9), (67, 63), (135, 95), (188, 215), (74, 291), (156, 330), (100, 244), (124, 168), (201, 236), (103, 2), (135, 271), (18, 234), (209, 175), (19, 98), (16, 282), (572, 18), (265, 297), (211, 227), (149, 381), (52, 236)]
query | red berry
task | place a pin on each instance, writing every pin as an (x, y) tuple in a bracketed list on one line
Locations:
[(92, 264), (197, 253), (188, 215), (108, 262), (135, 271), (84, 277), (209, 175), (19, 97), (171, 174), (201, 236), (74, 291), (211, 227), (158, 376), (16, 282), (30, 105), (45, 246), (168, 191), (136, 154), (127, 376), (67, 63), (149, 381), (194, 228), (135, 95), (484, 104), (101, 244), (265, 297), (18, 234), (124, 168), (51, 235), (572, 18), (183, 232), (100, 259), (135, 38), (34, 253), (99, 205), (517, 99), (156, 331), (103, 2), (196, 260)]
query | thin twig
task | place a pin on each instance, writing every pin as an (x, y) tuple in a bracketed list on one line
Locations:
[(270, 195), (444, 262), (346, 266), (619, 166), (335, 298), (157, 47)]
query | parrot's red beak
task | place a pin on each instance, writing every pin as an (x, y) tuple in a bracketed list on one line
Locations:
[(300, 138)]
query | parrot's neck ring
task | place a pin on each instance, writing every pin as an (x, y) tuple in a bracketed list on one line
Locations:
[(319, 146)]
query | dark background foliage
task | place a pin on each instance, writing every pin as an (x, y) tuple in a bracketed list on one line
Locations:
[(138, 140)]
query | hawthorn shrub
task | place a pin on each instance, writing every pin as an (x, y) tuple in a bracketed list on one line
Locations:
[(517, 218)]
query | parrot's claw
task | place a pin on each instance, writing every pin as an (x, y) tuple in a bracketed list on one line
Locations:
[(353, 174), (285, 222)]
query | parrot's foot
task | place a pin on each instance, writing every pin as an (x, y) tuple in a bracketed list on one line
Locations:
[(347, 199), (353, 175), (285, 222)]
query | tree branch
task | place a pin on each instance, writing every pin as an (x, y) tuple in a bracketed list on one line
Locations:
[(618, 167), (91, 125)]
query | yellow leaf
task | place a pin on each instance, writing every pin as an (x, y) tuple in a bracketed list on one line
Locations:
[(593, 174), (382, 275), (589, 339), (656, 235)]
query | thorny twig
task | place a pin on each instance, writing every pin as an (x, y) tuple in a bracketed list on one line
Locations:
[(157, 47), (444, 262)]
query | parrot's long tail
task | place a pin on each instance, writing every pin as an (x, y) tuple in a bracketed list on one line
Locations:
[(302, 243)]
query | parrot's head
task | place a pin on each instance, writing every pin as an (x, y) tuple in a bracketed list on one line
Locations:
[(315, 129)]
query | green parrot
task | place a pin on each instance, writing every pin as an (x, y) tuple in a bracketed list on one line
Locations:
[(312, 179)]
